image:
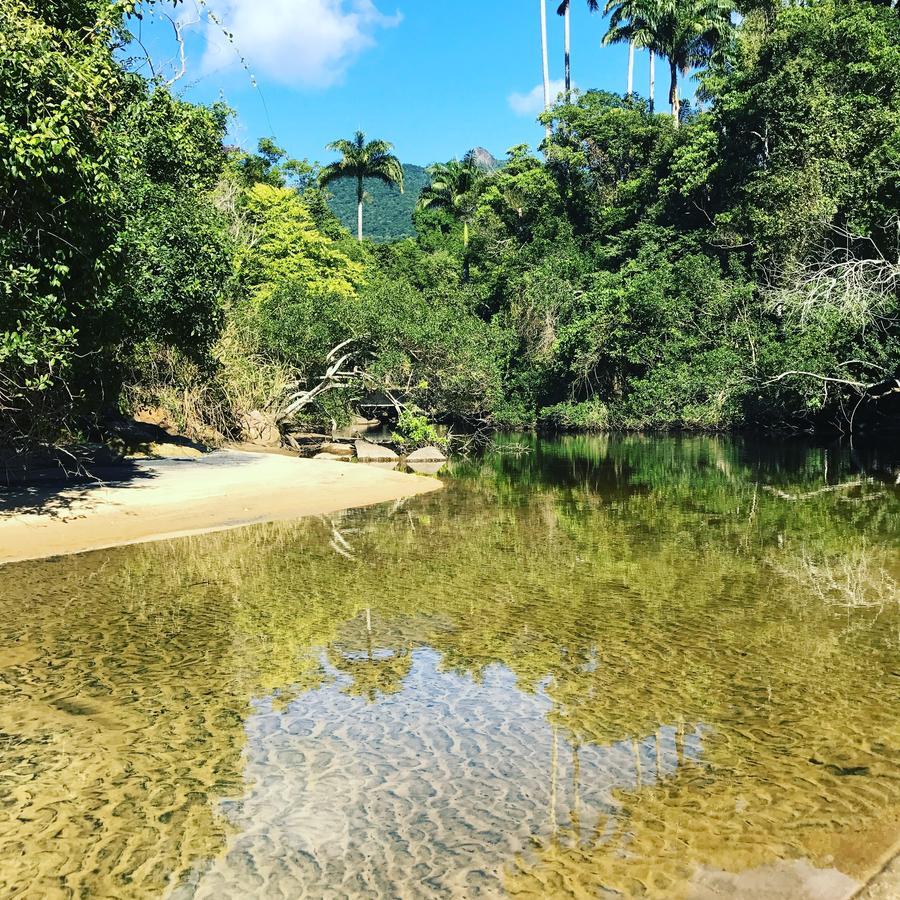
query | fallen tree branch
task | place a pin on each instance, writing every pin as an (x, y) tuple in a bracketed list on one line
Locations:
[(883, 389), (856, 384), (337, 376), (784, 495), (873, 391)]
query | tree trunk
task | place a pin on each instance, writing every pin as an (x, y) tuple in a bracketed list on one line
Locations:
[(673, 93), (359, 206), (568, 56), (652, 81), (545, 61), (630, 67)]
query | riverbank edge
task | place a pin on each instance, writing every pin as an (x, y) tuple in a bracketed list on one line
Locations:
[(166, 499)]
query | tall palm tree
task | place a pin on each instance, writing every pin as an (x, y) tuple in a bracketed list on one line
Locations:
[(545, 63), (627, 14), (563, 10), (362, 159), (451, 189), (685, 32)]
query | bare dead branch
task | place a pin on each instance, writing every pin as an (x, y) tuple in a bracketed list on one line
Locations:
[(178, 28), (848, 273), (784, 495), (825, 378)]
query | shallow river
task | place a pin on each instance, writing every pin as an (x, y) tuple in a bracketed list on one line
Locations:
[(590, 667)]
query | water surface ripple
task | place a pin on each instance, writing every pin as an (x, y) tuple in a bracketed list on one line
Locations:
[(590, 667)]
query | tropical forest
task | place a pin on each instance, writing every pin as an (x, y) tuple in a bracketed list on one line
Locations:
[(728, 263), (450, 450)]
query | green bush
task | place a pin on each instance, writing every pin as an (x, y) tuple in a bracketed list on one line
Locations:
[(413, 430), (588, 415)]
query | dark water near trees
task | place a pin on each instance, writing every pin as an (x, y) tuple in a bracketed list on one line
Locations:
[(590, 667)]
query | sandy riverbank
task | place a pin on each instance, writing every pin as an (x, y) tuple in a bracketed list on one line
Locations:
[(153, 500)]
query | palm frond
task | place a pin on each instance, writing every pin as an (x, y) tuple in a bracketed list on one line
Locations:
[(332, 173), (341, 146), (386, 168), (362, 159), (378, 148)]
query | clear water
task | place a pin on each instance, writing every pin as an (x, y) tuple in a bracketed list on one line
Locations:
[(589, 667)]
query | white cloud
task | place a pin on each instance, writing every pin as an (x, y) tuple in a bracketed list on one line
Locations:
[(308, 43), (532, 103)]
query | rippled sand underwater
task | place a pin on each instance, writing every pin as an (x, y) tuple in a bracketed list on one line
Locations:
[(639, 668)]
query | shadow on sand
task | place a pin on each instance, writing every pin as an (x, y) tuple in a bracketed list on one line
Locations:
[(55, 492)]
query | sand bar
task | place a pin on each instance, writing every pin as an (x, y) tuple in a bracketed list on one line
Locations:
[(158, 499)]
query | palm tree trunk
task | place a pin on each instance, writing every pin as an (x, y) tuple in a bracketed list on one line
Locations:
[(568, 55), (673, 92), (359, 206), (630, 67), (652, 81), (546, 63)]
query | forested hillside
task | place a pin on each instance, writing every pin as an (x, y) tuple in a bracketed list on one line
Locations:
[(735, 267), (388, 213)]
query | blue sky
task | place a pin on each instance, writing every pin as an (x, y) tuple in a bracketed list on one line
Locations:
[(435, 77)]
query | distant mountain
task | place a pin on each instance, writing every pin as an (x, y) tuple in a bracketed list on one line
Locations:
[(484, 159), (388, 215)]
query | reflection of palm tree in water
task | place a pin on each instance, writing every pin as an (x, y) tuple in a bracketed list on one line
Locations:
[(569, 855), (374, 671)]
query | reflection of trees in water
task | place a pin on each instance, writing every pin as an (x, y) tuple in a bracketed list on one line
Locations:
[(764, 787), (662, 601), (633, 582), (374, 671), (858, 578), (592, 850), (656, 605)]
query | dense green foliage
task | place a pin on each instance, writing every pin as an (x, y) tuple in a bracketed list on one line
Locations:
[(733, 266), (648, 276), (388, 213), (104, 244)]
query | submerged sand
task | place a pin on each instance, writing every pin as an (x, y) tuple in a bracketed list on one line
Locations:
[(154, 500)]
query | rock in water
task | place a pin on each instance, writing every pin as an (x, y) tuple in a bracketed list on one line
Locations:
[(426, 454), (335, 457), (335, 449), (367, 452), (420, 468)]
